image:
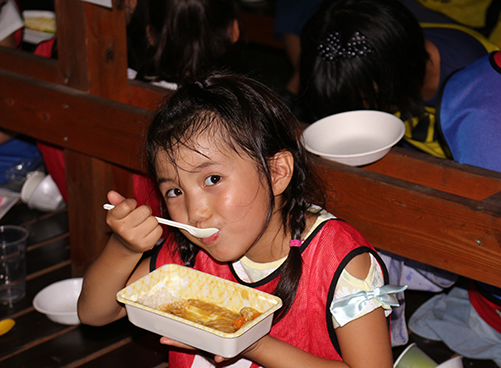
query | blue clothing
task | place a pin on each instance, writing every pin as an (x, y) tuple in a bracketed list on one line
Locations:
[(457, 50), (452, 319), (469, 114), (14, 151), (291, 15)]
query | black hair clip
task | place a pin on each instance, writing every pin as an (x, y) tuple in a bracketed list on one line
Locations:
[(332, 48)]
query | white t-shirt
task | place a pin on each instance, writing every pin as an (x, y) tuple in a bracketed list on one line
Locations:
[(10, 19)]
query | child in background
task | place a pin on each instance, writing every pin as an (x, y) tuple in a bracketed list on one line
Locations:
[(189, 38), (226, 154), (470, 113), (373, 54)]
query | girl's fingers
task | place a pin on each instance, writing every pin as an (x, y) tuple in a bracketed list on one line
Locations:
[(166, 341), (115, 198)]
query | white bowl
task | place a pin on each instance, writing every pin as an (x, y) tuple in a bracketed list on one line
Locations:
[(41, 192), (456, 362), (185, 283), (59, 301), (354, 138), (33, 179), (37, 36)]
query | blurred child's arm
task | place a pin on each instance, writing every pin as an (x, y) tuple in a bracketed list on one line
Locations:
[(135, 231)]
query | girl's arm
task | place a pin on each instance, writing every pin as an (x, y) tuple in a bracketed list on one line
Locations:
[(364, 343), (134, 232)]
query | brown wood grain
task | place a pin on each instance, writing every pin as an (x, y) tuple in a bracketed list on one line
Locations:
[(93, 57), (30, 65), (70, 118), (258, 28), (438, 228), (445, 175)]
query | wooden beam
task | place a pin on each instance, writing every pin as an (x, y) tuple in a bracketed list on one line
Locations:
[(30, 65), (69, 118), (434, 227), (140, 94), (445, 175)]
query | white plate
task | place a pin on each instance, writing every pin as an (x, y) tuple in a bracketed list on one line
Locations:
[(354, 138), (35, 37)]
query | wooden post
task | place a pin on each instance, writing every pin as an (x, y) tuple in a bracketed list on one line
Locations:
[(92, 57)]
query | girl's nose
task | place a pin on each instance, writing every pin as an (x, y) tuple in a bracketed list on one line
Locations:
[(198, 209)]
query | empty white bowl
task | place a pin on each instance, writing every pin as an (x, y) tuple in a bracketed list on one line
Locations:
[(58, 301), (41, 192), (354, 138), (456, 362)]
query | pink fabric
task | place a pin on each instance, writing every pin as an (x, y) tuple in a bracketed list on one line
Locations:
[(489, 311), (54, 162), (497, 58)]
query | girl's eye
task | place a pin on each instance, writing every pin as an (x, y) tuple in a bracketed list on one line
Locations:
[(213, 179), (173, 193)]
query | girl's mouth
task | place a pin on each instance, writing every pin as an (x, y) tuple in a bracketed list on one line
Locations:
[(211, 239)]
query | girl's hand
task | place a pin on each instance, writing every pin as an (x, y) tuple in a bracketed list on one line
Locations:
[(215, 358), (134, 227)]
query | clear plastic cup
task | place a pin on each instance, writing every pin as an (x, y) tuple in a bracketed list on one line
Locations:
[(12, 263)]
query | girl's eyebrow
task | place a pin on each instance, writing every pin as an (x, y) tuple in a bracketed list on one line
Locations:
[(164, 180), (197, 168), (203, 165)]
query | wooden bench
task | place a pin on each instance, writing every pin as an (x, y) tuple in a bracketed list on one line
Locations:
[(431, 210)]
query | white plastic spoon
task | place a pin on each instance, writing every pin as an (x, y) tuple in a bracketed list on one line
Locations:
[(195, 231)]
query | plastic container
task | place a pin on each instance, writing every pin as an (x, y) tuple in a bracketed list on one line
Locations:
[(185, 283)]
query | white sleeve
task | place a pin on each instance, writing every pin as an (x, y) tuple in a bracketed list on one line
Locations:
[(349, 286)]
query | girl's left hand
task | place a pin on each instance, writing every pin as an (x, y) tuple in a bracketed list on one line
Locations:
[(168, 341)]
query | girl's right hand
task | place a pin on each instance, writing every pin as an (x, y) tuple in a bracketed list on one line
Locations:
[(134, 227)]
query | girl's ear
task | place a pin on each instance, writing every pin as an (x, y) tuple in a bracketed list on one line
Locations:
[(281, 169), (234, 31), (150, 36)]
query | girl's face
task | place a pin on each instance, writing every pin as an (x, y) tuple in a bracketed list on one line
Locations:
[(212, 186)]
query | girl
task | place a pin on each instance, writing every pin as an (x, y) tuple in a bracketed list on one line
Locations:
[(373, 54), (226, 154)]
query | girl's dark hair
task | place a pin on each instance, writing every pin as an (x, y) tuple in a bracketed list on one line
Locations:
[(139, 50), (252, 120), (387, 77), (191, 36)]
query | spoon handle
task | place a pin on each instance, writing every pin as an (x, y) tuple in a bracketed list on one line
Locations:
[(199, 233), (108, 207)]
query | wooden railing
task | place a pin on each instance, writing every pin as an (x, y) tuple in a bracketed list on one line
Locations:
[(428, 209)]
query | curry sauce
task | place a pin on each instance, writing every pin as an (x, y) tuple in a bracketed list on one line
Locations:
[(210, 315)]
